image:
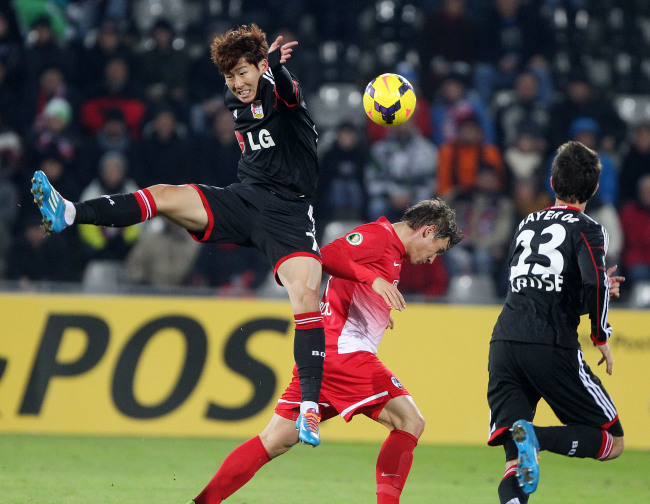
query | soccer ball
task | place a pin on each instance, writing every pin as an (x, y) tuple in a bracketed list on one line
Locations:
[(389, 100)]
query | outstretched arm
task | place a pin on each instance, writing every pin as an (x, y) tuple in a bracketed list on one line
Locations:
[(285, 87)]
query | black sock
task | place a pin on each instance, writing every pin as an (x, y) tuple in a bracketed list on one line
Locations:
[(571, 440), (509, 490), (116, 210), (309, 354)]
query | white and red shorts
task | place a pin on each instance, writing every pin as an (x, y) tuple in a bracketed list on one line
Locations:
[(354, 383)]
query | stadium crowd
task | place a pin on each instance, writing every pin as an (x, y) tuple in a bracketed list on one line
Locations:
[(109, 96)]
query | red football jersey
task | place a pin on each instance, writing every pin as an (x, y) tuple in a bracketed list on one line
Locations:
[(355, 316)]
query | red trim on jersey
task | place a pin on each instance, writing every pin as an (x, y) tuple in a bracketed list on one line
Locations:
[(610, 423), (146, 203), (563, 207), (295, 87), (208, 230), (606, 446), (295, 254), (511, 471), (492, 441), (308, 320), (598, 307)]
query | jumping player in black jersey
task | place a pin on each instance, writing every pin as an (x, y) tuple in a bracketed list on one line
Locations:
[(557, 273), (269, 209)]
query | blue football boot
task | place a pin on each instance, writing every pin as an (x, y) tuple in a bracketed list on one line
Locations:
[(524, 436), (307, 426), (50, 203)]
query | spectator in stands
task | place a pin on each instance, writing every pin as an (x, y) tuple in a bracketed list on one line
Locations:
[(52, 84), (635, 164), (582, 100), (163, 257), (11, 149), (206, 86), (528, 196), (108, 243), (430, 281), (525, 158), (164, 152), (588, 132), (448, 35), (521, 110), (513, 36), (461, 159), (112, 137), (341, 191), (606, 215), (635, 219), (9, 102), (11, 49), (236, 270), (164, 69), (485, 215), (115, 91), (218, 152), (401, 171), (44, 52), (54, 135), (35, 257), (108, 44), (453, 103)]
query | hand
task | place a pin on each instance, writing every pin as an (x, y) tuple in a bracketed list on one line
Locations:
[(285, 50), (607, 357), (614, 283), (391, 322), (389, 293)]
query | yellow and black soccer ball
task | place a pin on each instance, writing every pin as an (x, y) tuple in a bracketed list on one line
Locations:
[(389, 100)]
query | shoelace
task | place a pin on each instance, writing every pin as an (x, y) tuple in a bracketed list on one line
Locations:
[(312, 420)]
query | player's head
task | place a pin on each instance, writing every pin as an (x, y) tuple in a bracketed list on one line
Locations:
[(435, 230), (575, 173), (241, 56)]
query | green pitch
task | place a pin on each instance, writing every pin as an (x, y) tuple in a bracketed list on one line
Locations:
[(110, 470)]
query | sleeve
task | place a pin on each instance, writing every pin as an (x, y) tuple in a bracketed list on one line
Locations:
[(346, 258), (285, 87), (595, 285)]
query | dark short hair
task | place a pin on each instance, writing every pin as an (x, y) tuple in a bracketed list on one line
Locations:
[(248, 42), (434, 211), (575, 172)]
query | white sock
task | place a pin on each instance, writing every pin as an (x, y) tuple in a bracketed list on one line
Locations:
[(70, 212), (307, 405)]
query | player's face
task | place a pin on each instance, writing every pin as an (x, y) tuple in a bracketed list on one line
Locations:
[(425, 247), (243, 80)]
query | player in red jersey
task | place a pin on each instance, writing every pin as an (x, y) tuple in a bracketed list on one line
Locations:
[(365, 266)]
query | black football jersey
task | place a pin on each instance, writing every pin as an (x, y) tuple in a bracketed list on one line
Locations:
[(277, 139), (557, 273)]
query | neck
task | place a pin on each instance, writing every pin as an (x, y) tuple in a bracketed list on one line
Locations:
[(403, 231), (579, 206)]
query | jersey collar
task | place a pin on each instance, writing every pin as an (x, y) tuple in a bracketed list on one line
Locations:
[(564, 207)]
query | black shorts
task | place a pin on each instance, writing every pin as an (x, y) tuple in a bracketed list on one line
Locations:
[(523, 373), (252, 216)]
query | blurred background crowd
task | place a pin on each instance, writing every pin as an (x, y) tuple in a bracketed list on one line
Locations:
[(107, 96)]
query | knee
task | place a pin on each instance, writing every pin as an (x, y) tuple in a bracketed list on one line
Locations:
[(276, 445), (413, 424), (303, 298), (618, 444)]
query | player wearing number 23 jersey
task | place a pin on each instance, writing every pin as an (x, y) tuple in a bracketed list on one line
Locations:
[(557, 273)]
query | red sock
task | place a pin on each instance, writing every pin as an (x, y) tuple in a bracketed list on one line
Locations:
[(393, 465), (235, 471)]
